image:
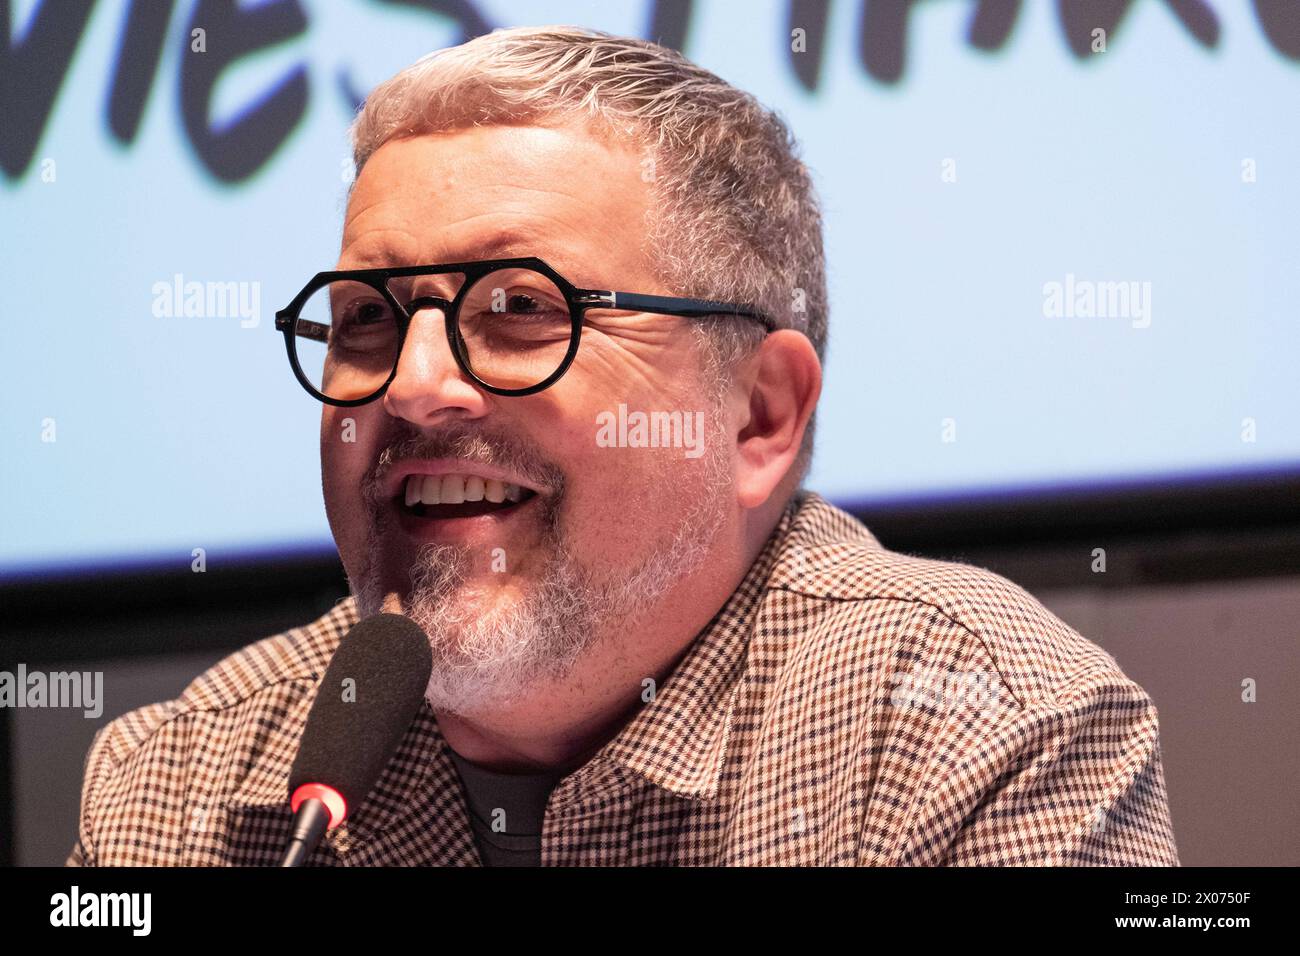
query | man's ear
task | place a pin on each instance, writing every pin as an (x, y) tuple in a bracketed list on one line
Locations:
[(784, 381)]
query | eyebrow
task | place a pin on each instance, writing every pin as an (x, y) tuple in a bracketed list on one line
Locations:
[(500, 246)]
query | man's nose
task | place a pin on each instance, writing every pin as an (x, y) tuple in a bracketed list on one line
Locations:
[(429, 385)]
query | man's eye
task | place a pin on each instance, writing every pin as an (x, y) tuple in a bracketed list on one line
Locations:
[(371, 312), (522, 302), (365, 313)]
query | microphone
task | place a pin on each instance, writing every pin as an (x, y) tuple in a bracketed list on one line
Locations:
[(371, 692)]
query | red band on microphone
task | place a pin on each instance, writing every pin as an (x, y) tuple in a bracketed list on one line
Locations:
[(333, 800)]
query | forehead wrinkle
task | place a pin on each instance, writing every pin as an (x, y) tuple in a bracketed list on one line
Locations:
[(386, 254), (366, 250), (370, 250)]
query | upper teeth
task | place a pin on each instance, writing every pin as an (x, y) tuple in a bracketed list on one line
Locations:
[(455, 489)]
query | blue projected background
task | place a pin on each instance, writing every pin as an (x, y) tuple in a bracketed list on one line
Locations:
[(964, 166)]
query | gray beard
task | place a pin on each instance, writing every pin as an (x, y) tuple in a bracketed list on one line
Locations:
[(486, 660)]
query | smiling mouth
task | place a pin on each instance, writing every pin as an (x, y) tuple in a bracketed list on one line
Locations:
[(444, 497)]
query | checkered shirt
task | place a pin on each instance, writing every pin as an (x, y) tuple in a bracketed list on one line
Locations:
[(847, 706)]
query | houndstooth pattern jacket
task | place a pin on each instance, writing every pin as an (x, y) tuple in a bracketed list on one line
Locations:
[(847, 706)]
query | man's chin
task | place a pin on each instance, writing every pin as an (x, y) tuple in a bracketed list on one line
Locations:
[(454, 597), (465, 601), (491, 643)]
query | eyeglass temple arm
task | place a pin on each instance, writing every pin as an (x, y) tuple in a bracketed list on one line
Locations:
[(305, 328), (672, 305)]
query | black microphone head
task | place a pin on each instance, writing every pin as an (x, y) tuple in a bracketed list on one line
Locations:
[(370, 693)]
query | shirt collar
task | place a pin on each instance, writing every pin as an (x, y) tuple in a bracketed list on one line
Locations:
[(679, 740)]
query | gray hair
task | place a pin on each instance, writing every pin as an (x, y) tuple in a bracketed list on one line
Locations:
[(735, 216)]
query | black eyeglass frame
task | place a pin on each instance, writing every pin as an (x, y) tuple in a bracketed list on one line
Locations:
[(579, 301)]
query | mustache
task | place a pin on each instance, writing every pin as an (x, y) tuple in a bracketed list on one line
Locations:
[(473, 444)]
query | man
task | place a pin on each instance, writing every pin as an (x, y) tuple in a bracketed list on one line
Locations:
[(574, 458)]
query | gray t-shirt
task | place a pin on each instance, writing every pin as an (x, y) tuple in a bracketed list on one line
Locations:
[(506, 811)]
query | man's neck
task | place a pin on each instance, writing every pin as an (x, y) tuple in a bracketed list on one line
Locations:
[(563, 723)]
